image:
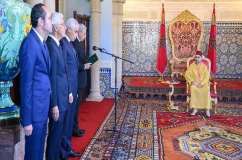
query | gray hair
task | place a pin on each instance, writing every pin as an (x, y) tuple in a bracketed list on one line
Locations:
[(72, 23), (56, 17), (82, 27)]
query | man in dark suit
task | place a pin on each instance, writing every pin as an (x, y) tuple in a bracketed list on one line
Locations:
[(82, 75), (35, 87), (59, 85), (72, 71)]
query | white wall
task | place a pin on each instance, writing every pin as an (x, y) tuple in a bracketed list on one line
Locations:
[(106, 29), (81, 6)]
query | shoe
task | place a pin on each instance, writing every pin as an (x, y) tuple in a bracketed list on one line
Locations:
[(207, 113), (74, 154), (194, 112), (75, 133), (65, 158), (81, 130)]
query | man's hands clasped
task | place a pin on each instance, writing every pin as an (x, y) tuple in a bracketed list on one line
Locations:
[(195, 84)]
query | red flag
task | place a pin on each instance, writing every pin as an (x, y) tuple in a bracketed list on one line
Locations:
[(212, 43), (162, 56)]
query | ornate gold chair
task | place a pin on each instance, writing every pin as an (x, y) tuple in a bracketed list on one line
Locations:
[(185, 33), (213, 93)]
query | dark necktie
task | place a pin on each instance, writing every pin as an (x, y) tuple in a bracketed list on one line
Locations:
[(61, 53), (47, 55), (60, 49), (73, 48), (83, 51)]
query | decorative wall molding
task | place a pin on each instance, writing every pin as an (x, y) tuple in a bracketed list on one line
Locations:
[(183, 0), (150, 10), (62, 8)]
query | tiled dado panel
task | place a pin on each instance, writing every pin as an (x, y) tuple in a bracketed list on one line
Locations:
[(140, 45), (105, 83)]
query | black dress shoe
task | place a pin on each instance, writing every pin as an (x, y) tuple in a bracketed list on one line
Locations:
[(75, 133), (65, 158), (81, 130), (74, 154)]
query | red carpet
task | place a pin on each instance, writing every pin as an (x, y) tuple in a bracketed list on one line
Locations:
[(91, 116), (224, 84), (230, 89)]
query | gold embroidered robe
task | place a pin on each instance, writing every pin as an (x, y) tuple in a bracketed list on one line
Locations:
[(200, 97)]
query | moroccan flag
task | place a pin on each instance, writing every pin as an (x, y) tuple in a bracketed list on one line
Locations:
[(162, 57), (212, 43)]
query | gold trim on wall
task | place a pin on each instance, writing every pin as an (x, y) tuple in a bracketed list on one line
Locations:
[(62, 8), (184, 0), (151, 11)]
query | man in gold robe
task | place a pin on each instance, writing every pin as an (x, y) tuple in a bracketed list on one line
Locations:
[(197, 76)]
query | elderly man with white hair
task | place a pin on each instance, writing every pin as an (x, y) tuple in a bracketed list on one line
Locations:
[(72, 70), (82, 75), (59, 86)]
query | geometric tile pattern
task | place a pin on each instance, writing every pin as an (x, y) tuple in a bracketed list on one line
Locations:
[(105, 83), (140, 45)]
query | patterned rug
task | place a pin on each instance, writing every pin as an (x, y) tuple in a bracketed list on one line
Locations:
[(140, 132), (218, 137)]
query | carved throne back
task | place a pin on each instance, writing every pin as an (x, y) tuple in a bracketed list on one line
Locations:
[(185, 33)]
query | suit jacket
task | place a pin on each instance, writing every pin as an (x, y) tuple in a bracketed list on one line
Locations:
[(72, 64), (35, 88), (58, 77), (82, 73)]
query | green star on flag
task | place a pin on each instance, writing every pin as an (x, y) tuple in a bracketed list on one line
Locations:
[(212, 43), (162, 41)]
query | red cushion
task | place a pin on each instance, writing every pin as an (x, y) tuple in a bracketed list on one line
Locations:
[(211, 93)]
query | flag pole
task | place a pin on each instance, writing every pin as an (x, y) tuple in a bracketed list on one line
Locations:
[(161, 79), (162, 55), (162, 76)]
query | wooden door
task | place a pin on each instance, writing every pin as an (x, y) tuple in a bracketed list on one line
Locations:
[(85, 20)]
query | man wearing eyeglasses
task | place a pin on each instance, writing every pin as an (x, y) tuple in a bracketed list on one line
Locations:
[(35, 87), (72, 71)]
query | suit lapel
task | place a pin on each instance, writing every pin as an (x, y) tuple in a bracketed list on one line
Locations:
[(72, 49), (44, 51), (52, 41), (82, 49), (62, 56)]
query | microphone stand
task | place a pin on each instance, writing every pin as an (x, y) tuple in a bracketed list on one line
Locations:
[(115, 96)]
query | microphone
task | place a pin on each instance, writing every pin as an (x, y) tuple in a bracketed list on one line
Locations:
[(97, 48)]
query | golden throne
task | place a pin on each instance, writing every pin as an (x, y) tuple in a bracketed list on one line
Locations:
[(213, 94), (185, 33)]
